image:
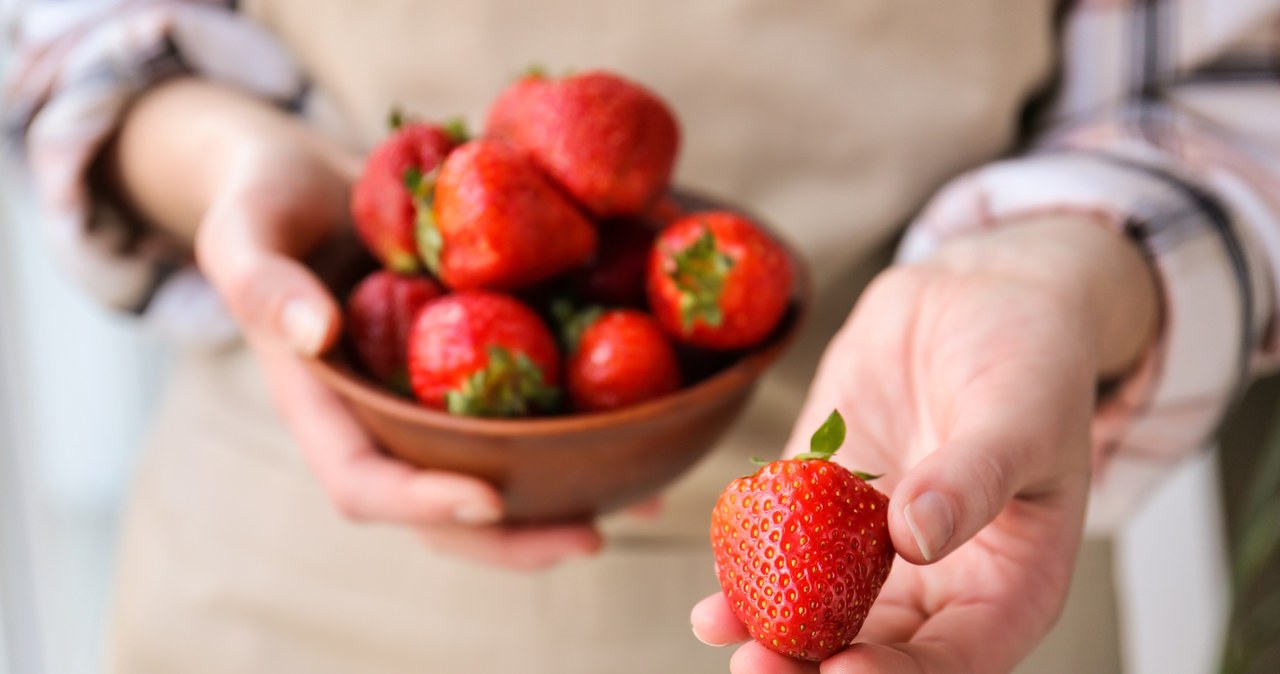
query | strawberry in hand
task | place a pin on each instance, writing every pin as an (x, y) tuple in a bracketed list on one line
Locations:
[(380, 314), (383, 200), (498, 223), (717, 281), (618, 358), (483, 354), (608, 142), (802, 549)]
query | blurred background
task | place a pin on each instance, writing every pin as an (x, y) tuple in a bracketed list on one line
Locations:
[(77, 386)]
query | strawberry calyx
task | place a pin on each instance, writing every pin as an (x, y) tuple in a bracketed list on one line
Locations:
[(699, 272), (509, 386), (825, 441), (456, 129), (422, 188), (573, 321)]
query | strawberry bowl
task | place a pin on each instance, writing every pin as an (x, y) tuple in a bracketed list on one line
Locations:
[(574, 465)]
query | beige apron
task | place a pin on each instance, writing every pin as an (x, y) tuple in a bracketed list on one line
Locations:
[(834, 120)]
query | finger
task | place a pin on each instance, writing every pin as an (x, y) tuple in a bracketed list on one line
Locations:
[(714, 623), (520, 548), (648, 509), (889, 623), (269, 292), (364, 484), (1007, 439), (967, 638), (752, 658)]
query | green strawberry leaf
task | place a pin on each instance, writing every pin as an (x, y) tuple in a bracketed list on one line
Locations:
[(430, 240), (510, 386), (456, 129), (699, 273), (412, 179), (826, 440)]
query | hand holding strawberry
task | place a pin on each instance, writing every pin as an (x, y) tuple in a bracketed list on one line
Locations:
[(969, 383)]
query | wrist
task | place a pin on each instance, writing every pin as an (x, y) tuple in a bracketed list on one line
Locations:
[(1083, 266)]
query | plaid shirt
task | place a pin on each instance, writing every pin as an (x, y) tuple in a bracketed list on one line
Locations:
[(1163, 122)]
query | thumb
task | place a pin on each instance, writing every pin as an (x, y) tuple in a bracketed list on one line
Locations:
[(271, 294), (951, 495)]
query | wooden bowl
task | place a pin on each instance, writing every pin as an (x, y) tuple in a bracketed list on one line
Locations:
[(572, 466)]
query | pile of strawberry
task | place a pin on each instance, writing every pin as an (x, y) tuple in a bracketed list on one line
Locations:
[(566, 195)]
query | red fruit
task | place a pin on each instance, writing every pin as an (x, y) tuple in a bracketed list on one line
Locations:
[(609, 142), (620, 358), (616, 275), (717, 281), (483, 354), (383, 202), (802, 549), (500, 224), (379, 316)]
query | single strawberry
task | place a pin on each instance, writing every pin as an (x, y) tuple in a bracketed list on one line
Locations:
[(499, 224), (616, 275), (608, 142), (480, 353), (380, 314), (715, 280), (382, 199), (618, 358), (802, 549)]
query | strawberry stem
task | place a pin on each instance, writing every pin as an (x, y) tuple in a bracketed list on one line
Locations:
[(699, 273), (826, 440), (395, 118)]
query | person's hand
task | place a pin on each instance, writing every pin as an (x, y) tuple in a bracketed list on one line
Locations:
[(263, 192), (968, 381)]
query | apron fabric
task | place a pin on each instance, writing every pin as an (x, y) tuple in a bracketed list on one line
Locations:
[(832, 121)]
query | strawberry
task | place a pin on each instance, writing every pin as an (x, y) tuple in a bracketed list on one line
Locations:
[(717, 281), (380, 313), (616, 275), (618, 358), (802, 549), (608, 142), (382, 200), (480, 353), (499, 224)]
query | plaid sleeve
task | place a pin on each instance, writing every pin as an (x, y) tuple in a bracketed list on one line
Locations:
[(78, 64), (1178, 150)]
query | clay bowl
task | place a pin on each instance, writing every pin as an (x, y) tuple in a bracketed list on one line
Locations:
[(572, 466)]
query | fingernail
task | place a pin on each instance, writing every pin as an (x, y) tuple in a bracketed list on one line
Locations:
[(699, 638), (303, 326), (476, 514), (931, 523)]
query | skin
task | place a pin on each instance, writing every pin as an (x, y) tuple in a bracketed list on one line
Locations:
[(253, 191), (970, 376)]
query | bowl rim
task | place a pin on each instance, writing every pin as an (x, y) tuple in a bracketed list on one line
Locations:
[(341, 376)]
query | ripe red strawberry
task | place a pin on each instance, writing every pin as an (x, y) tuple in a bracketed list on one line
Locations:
[(380, 314), (717, 281), (802, 549), (619, 358), (483, 354), (499, 224), (382, 200), (616, 275), (609, 142)]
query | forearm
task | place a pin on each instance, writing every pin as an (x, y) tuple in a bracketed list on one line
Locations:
[(1084, 265), (184, 141)]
